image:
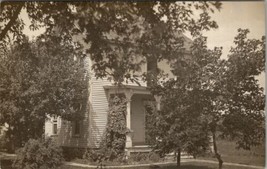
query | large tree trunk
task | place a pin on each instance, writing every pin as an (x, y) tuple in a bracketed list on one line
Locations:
[(217, 155), (178, 158)]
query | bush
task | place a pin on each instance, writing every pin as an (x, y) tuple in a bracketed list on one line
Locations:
[(150, 157), (71, 153), (39, 154)]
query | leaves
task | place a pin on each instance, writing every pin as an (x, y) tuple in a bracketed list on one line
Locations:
[(38, 79), (39, 154), (210, 95), (112, 145), (117, 33), (244, 117)]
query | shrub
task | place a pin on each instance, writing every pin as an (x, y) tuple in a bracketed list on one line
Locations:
[(138, 157), (154, 157), (71, 153), (144, 157), (39, 154)]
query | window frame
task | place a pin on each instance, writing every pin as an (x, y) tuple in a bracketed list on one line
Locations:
[(54, 126)]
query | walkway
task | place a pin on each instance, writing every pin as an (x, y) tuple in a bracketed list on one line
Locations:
[(163, 163)]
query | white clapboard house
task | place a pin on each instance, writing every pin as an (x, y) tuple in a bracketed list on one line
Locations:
[(88, 132)]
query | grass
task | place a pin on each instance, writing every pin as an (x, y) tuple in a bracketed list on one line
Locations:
[(256, 156), (187, 165)]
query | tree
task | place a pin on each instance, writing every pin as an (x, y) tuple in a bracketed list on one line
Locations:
[(228, 96), (34, 84), (116, 29), (143, 34), (41, 14), (180, 125), (212, 97), (239, 105)]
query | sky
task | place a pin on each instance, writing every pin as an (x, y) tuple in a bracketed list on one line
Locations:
[(233, 15)]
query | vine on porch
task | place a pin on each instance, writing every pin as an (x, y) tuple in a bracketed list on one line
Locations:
[(115, 135), (113, 143)]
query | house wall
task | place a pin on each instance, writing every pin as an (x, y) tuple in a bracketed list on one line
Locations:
[(94, 123), (98, 110), (65, 135)]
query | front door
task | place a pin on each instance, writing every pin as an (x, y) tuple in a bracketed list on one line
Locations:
[(138, 120)]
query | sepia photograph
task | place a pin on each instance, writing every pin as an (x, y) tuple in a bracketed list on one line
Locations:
[(132, 84)]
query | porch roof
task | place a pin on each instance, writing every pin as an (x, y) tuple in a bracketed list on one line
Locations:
[(112, 89)]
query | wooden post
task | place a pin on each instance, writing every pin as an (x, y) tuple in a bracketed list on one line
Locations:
[(128, 94)]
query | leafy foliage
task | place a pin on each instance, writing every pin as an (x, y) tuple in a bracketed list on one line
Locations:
[(180, 123), (39, 154), (210, 95), (38, 79), (150, 117), (72, 153), (127, 30), (116, 130), (18, 109), (244, 118)]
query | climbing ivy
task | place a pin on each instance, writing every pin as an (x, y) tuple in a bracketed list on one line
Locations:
[(113, 143), (115, 135)]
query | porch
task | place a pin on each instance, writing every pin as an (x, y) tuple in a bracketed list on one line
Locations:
[(136, 97)]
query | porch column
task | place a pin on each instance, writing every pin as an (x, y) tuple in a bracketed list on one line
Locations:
[(128, 94), (157, 98)]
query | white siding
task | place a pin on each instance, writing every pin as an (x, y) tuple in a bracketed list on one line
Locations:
[(98, 111), (48, 127)]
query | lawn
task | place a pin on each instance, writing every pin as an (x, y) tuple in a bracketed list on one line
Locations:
[(256, 156), (186, 165)]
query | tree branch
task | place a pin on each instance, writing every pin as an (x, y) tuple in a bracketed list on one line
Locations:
[(11, 21)]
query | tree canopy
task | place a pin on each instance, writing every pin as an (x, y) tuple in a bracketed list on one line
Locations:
[(210, 96), (39, 79), (116, 32)]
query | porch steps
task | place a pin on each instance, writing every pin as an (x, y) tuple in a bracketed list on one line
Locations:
[(184, 155), (139, 149)]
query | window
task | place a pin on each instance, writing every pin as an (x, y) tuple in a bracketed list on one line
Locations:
[(54, 126), (76, 126)]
